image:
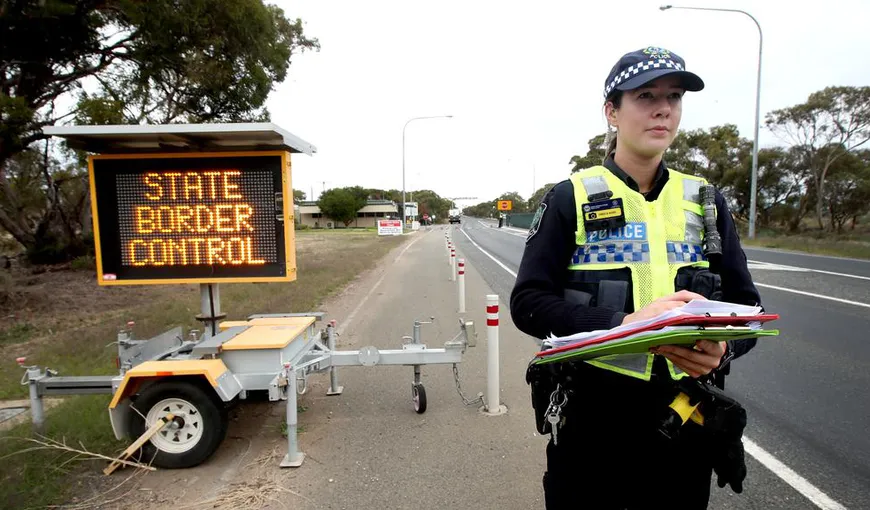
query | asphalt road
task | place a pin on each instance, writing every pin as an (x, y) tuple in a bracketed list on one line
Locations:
[(806, 391)]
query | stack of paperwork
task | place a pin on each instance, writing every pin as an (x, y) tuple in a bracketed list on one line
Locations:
[(696, 320)]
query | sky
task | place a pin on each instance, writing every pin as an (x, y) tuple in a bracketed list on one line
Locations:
[(524, 82)]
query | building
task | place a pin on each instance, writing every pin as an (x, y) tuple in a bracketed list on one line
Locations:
[(309, 214)]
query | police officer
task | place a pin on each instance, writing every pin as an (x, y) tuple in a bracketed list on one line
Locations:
[(619, 243)]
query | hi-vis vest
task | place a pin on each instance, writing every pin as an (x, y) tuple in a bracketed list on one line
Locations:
[(659, 238)]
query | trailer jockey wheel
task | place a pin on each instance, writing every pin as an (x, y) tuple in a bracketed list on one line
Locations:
[(419, 394), (199, 426)]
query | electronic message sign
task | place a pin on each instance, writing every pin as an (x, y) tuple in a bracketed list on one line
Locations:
[(192, 218)]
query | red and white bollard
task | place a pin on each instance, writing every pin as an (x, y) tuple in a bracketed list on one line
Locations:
[(452, 264), (449, 247), (493, 402), (461, 286)]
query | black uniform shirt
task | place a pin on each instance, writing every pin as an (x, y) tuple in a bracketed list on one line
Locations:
[(538, 307)]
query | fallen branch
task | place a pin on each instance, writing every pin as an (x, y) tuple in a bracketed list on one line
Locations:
[(50, 444)]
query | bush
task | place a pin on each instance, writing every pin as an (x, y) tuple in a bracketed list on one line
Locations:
[(85, 262)]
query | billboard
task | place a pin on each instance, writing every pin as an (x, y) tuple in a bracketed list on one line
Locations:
[(192, 218)]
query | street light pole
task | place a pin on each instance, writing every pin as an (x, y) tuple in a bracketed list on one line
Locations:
[(403, 157), (753, 191)]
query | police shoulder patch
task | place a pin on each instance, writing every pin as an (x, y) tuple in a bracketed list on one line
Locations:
[(536, 221)]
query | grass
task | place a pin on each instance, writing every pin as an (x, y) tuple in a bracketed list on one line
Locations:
[(854, 244), (17, 333), (35, 479), (326, 262)]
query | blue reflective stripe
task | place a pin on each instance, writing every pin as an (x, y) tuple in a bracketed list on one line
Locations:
[(684, 252), (611, 252)]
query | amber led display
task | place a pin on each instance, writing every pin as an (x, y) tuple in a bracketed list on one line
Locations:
[(161, 219)]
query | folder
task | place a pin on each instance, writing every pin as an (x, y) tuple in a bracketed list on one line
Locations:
[(697, 320)]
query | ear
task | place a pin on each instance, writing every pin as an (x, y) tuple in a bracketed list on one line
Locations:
[(610, 112)]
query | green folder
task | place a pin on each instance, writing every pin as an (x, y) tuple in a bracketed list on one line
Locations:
[(642, 345)]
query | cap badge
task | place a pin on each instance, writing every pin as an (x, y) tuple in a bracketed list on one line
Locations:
[(654, 52)]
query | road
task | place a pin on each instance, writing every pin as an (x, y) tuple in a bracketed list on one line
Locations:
[(806, 391)]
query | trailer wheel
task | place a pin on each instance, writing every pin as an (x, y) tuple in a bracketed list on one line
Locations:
[(419, 394), (198, 429)]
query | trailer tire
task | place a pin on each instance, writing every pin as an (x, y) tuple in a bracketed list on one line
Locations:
[(199, 428), (418, 394)]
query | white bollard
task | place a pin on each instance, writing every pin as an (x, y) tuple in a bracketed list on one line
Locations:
[(452, 265), (449, 247), (461, 286), (493, 403)]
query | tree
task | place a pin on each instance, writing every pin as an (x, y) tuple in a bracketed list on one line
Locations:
[(847, 194), (341, 204), (431, 203), (156, 61), (594, 156), (538, 196), (481, 210), (832, 123), (298, 196)]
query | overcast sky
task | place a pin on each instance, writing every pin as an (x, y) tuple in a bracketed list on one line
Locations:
[(524, 81)]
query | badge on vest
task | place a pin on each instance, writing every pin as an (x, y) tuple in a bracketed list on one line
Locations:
[(630, 232), (603, 215)]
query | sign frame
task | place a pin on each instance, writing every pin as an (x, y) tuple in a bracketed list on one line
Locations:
[(289, 230), (505, 205)]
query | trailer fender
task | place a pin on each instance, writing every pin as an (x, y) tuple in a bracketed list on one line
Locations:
[(213, 371)]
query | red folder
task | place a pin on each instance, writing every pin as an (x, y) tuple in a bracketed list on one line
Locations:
[(688, 320)]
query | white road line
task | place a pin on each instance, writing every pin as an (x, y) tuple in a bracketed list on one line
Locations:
[(819, 296), (797, 268), (754, 264), (504, 230), (488, 255), (785, 473), (804, 254), (343, 326), (798, 483)]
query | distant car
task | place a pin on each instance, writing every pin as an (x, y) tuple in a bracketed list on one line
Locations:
[(454, 215)]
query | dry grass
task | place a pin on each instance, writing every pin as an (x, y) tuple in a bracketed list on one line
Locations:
[(854, 246), (253, 495)]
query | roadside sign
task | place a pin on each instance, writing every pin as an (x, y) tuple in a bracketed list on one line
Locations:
[(192, 218), (389, 227), (505, 205)]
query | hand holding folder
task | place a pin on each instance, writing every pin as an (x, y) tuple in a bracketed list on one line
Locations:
[(696, 320)]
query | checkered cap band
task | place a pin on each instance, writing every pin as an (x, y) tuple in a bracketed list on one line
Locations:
[(611, 252), (633, 70), (683, 252)]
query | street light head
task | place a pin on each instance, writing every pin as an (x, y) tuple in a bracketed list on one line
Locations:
[(665, 7)]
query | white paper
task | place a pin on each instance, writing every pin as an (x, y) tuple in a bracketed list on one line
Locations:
[(696, 307)]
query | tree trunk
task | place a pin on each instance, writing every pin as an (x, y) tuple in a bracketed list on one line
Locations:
[(10, 218)]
